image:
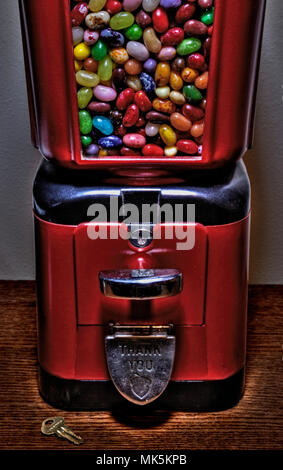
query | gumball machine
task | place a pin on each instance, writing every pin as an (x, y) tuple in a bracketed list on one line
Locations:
[(142, 110)]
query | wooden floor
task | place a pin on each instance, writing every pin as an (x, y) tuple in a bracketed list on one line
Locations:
[(255, 424)]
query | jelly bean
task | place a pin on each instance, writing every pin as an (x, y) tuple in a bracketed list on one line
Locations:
[(168, 135), (173, 37), (121, 131), (170, 3), (113, 38), (150, 5), (134, 83), (99, 107), (77, 34), (205, 4), (81, 51), (170, 151), (103, 124), (177, 98), (97, 20), (90, 65), (93, 149), (87, 79), (96, 5), (202, 81), (116, 117), (122, 20), (192, 93), (127, 152), (156, 117), (152, 150), (151, 41), (104, 93), (196, 61), (119, 78), (105, 68), (185, 12), (133, 67), (131, 5), (178, 64), (90, 37), (143, 19), (195, 27), (188, 46), (176, 81), (193, 113), (110, 142), (79, 13), (187, 146), (160, 20), (152, 129), (131, 115), (134, 140), (141, 122), (207, 17), (163, 92), (85, 122), (86, 140), (179, 122), (150, 65), (142, 101), (125, 98), (113, 7), (119, 55), (162, 74), (78, 65), (137, 50), (148, 83), (102, 153), (166, 54), (84, 97), (197, 129), (99, 50), (134, 32), (164, 106), (189, 75)]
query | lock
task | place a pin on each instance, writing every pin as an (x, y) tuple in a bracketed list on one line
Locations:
[(140, 358)]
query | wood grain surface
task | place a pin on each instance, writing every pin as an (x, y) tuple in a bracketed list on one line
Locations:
[(255, 424)]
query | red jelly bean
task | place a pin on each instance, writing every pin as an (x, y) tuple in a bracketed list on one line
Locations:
[(141, 132), (185, 12), (187, 146), (141, 122), (131, 116), (78, 13), (127, 152), (125, 98), (121, 131), (173, 37), (195, 28), (196, 61), (113, 7), (193, 113), (160, 20), (142, 101), (152, 150)]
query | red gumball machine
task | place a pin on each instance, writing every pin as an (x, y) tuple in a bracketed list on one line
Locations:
[(142, 110)]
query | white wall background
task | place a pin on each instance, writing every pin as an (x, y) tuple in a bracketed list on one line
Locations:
[(19, 161)]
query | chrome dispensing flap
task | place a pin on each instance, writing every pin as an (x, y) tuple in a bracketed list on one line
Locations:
[(141, 284), (140, 361)]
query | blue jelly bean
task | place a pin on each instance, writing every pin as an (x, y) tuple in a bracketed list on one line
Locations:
[(113, 38), (170, 3), (148, 83), (150, 65), (103, 124), (110, 142)]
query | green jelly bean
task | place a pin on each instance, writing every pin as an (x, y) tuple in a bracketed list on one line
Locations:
[(99, 50), (105, 67), (192, 93), (188, 46), (86, 140), (134, 32), (207, 17), (122, 20), (84, 96), (85, 122)]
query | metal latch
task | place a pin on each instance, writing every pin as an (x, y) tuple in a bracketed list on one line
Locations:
[(140, 360)]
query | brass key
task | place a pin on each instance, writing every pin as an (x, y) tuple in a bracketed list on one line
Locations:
[(56, 425)]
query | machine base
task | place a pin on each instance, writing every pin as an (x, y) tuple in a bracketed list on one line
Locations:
[(85, 395)]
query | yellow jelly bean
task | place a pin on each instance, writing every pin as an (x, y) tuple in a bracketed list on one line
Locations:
[(170, 151), (167, 135), (189, 75), (163, 92), (87, 79), (96, 5), (176, 81), (78, 65), (162, 74), (102, 153), (82, 51)]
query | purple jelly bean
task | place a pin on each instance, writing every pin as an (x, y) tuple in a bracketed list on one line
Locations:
[(92, 150), (150, 65), (170, 3)]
